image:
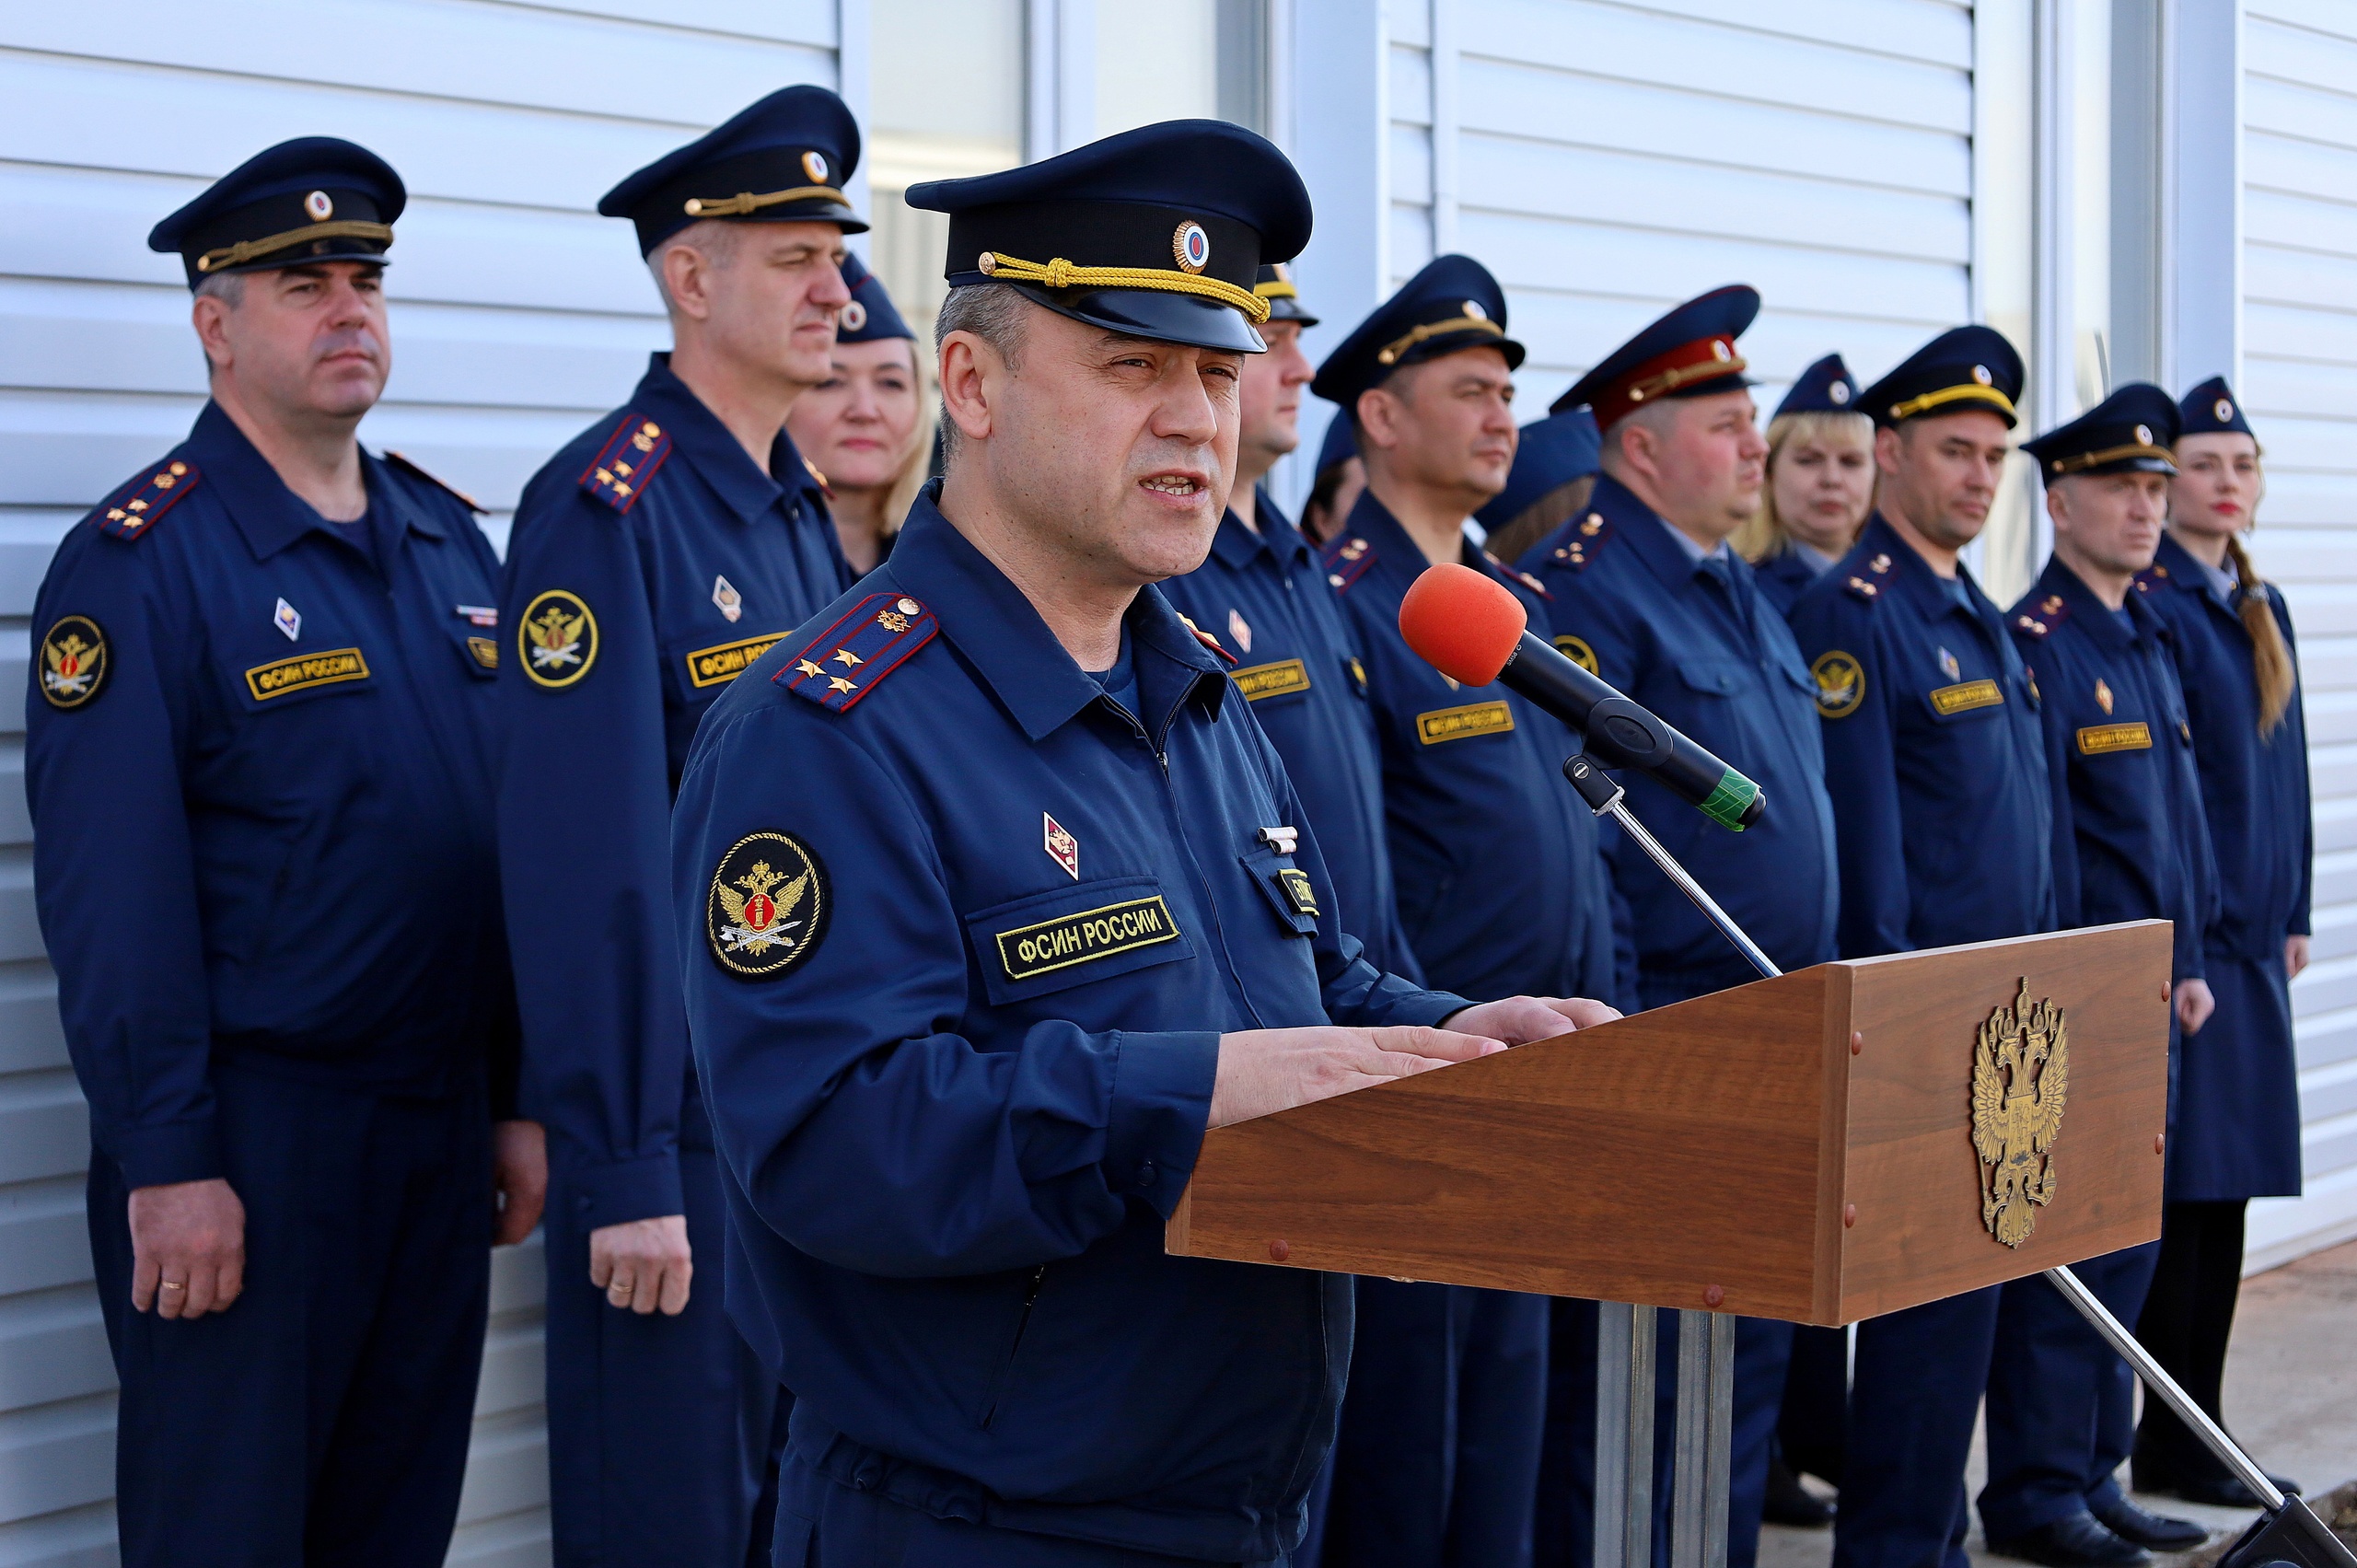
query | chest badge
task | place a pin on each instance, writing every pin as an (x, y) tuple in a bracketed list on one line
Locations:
[(478, 615), (288, 619), (558, 639), (730, 602), (73, 662), (1063, 848), (1949, 668), (2021, 1076), (768, 906), (2103, 695), (1239, 629)]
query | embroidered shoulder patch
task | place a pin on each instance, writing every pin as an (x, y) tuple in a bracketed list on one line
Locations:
[(1346, 561), (409, 467), (558, 639), (1581, 541), (1840, 684), (73, 659), (2044, 616), (619, 474), (767, 907), (849, 658), (1576, 650), (128, 512)]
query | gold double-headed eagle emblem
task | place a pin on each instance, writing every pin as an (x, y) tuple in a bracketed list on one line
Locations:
[(2021, 1074)]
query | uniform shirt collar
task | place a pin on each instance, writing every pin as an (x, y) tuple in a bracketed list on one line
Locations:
[(713, 452), (1808, 555), (1236, 545), (2190, 571), (2092, 614), (1019, 659), (270, 515)]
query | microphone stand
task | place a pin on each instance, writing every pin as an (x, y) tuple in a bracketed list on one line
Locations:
[(2286, 1528)]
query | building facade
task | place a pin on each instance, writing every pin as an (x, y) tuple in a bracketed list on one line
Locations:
[(2128, 188)]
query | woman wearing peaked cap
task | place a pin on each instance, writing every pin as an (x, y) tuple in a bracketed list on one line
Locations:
[(2237, 1133), (867, 426), (1555, 465), (1820, 484)]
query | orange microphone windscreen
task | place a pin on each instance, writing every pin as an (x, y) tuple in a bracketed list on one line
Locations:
[(1462, 623)]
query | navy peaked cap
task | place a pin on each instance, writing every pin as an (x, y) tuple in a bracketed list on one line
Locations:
[(1159, 232), (1340, 445), (2129, 431), (1551, 453), (1826, 387), (1275, 285), (2212, 409), (871, 313), (1454, 304), (313, 199), (1689, 353), (782, 160), (1964, 367)]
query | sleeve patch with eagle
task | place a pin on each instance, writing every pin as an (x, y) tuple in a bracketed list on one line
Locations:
[(73, 662), (556, 638), (768, 906)]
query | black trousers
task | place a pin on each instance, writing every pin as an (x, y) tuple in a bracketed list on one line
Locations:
[(2187, 1318)]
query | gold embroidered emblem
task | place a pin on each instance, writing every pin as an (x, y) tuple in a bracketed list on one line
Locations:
[(1948, 700), (1030, 951), (718, 666), (1282, 679), (1456, 723), (2096, 739), (1299, 892), (1840, 684), (767, 907), (303, 671), (558, 639), (1576, 650), (74, 662), (2021, 1074), (486, 652)]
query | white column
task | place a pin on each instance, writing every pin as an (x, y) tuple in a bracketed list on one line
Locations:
[(2201, 187)]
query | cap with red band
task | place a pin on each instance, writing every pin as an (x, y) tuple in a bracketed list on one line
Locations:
[(1689, 352)]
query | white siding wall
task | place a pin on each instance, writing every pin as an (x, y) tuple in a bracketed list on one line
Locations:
[(517, 315), (2299, 377)]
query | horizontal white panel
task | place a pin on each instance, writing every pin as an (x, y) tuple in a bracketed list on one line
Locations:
[(2280, 1229), (28, 540), (2317, 608), (2326, 1039), (1411, 86), (2318, 390), (2294, 166), (30, 1036), (2318, 446), (58, 1455), (2296, 110), (1410, 164), (52, 1347), (1408, 21), (2294, 330), (2328, 1091), (791, 21), (486, 53), (2299, 277), (2274, 217), (2297, 502), (2300, 54), (44, 1126), (1610, 41), (1623, 188), (514, 1375), (16, 819), (2332, 717), (1937, 32), (44, 1241), (70, 1538), (1510, 98), (1569, 334), (514, 1540), (2327, 1147), (2327, 987), (507, 1466), (1410, 240)]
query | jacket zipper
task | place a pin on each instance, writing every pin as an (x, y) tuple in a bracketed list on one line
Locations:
[(1022, 1324)]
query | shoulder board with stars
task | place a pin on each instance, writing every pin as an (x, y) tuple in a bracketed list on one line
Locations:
[(1581, 543), (444, 485), (1525, 579), (1209, 641), (2151, 577), (2044, 616), (1868, 585), (1346, 560), (851, 658), (619, 475), (132, 509)]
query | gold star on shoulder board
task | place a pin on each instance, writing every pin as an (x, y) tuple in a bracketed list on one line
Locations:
[(838, 683), (848, 659), (806, 668)]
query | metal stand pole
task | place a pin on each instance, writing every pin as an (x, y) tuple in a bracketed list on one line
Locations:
[(1624, 1436)]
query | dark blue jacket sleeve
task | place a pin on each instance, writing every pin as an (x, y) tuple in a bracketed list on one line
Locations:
[(585, 865), (2046, 665), (104, 783), (2297, 720), (1862, 775)]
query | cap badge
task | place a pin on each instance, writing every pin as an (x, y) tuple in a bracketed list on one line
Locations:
[(320, 206), (1238, 629), (730, 602), (2143, 436), (1061, 847), (987, 264), (288, 619), (2103, 695), (813, 164), (1473, 308), (1192, 247), (2224, 409), (1719, 350), (1980, 374), (852, 317), (1838, 393)]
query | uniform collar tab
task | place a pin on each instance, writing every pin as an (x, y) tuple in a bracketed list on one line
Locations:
[(716, 455), (2091, 614)]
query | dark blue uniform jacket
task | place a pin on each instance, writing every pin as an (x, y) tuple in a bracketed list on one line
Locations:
[(2238, 1116), (672, 562), (1783, 577), (1934, 755), (1265, 597), (2129, 842), (265, 824), (957, 1100), (1501, 890), (1711, 655)]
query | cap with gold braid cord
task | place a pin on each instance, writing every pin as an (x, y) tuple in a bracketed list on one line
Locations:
[(1964, 367), (2129, 431), (782, 160), (1689, 353), (1154, 233), (1275, 285), (313, 199), (1454, 304)]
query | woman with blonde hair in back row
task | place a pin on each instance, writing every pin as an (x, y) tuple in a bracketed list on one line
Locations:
[(1820, 484), (868, 427)]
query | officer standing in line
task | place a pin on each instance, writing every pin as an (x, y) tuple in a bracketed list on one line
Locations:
[(1501, 888), (995, 897), (2237, 1133), (259, 754), (2130, 843), (1648, 595), (655, 558), (1936, 767), (1820, 484)]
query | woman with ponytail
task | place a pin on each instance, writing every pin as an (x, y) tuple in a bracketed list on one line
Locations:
[(2237, 1108)]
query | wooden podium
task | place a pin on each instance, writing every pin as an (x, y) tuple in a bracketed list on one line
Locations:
[(1801, 1147)]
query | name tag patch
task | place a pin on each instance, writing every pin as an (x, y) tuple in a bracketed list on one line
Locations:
[(1285, 677), (1456, 724), (718, 666), (2100, 738), (303, 671), (1030, 951), (1962, 699)]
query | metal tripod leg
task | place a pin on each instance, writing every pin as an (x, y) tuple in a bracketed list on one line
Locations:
[(1624, 1436)]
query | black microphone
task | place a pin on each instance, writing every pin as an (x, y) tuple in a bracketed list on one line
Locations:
[(1473, 631)]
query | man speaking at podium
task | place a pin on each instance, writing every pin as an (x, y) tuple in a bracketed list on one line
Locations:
[(974, 964)]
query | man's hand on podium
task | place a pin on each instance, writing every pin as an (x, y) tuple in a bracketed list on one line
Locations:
[(1264, 1071), (1518, 1020)]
